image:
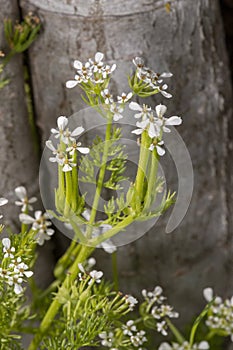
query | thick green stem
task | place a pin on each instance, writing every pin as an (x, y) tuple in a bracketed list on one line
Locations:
[(151, 182), (100, 178), (141, 172), (54, 307), (68, 193)]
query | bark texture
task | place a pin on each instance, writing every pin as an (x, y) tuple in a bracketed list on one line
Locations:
[(18, 161), (189, 42)]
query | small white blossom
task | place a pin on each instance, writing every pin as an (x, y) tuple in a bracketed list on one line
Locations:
[(138, 339), (40, 224), (63, 132), (131, 301), (208, 294), (155, 295), (144, 110), (107, 70), (164, 122), (107, 96), (124, 97), (24, 201), (107, 339), (97, 63), (8, 250), (96, 275), (76, 147), (16, 281), (157, 145), (129, 328), (116, 111), (91, 262), (59, 156), (150, 125), (162, 327)]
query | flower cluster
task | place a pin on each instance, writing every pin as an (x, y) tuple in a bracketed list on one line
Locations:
[(203, 345), (150, 78), (93, 71), (130, 336), (156, 307), (40, 224), (64, 154), (13, 270), (220, 314), (154, 125)]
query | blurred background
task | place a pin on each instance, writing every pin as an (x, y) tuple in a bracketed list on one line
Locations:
[(193, 40)]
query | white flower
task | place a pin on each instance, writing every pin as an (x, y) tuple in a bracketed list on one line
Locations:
[(208, 294), (144, 110), (203, 345), (24, 201), (138, 62), (8, 250), (39, 224), (68, 165), (91, 262), (164, 122), (129, 328), (107, 70), (72, 83), (97, 64), (150, 125), (162, 327), (16, 281), (116, 110), (138, 339), (96, 275), (155, 295), (131, 301), (157, 145), (76, 147), (124, 97), (3, 201), (22, 270), (107, 339), (163, 91), (59, 155), (63, 132), (107, 96)]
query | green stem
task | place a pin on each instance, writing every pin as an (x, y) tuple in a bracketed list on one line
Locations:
[(68, 193), (175, 331), (152, 180), (101, 177), (142, 166), (115, 271), (74, 184), (55, 305)]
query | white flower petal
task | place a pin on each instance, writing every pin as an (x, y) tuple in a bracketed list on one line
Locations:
[(50, 145), (77, 131), (203, 345), (208, 294), (135, 106), (28, 274), (21, 192), (26, 219), (152, 131), (38, 214), (160, 150), (166, 75), (71, 84), (32, 200), (166, 94), (137, 131), (99, 57), (6, 243), (3, 201), (78, 65), (173, 121), (18, 288), (84, 150), (66, 168), (160, 110), (62, 122), (165, 346)]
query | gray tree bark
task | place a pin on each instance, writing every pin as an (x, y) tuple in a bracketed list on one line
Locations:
[(189, 42), (18, 160)]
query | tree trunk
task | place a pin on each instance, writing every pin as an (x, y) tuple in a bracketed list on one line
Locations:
[(18, 160), (188, 41)]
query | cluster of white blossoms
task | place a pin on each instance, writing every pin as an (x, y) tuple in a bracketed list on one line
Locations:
[(220, 314), (40, 224), (158, 309), (153, 79), (203, 345), (154, 125), (132, 337), (64, 156), (94, 71), (13, 270)]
